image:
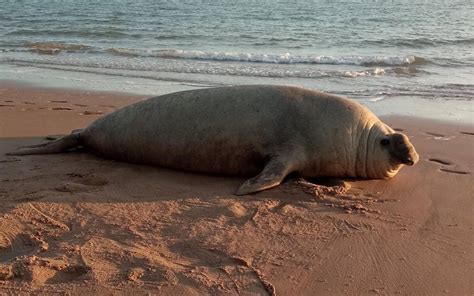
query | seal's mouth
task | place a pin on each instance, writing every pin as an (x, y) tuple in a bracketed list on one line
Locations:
[(408, 161)]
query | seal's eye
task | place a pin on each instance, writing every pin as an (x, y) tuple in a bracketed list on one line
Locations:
[(384, 142)]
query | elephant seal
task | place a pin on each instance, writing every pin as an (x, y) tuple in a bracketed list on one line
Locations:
[(263, 130)]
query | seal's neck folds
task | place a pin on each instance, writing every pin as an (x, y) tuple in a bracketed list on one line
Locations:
[(373, 160)]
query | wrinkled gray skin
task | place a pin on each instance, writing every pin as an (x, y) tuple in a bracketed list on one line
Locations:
[(247, 130)]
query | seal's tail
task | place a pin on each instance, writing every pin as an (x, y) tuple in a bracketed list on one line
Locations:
[(57, 146)]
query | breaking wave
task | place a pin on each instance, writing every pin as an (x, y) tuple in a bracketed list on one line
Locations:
[(285, 58), (173, 66), (55, 48)]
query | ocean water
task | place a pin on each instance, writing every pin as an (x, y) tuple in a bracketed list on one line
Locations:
[(367, 50)]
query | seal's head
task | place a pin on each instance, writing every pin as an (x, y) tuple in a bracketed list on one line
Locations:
[(388, 151), (400, 149)]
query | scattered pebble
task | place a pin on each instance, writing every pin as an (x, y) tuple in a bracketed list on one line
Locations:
[(6, 273), (135, 274)]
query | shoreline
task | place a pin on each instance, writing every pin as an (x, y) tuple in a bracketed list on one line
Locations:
[(445, 109), (78, 223)]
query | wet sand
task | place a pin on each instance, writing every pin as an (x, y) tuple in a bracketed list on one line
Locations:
[(75, 223)]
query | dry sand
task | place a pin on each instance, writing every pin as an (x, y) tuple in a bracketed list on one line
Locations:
[(75, 223)]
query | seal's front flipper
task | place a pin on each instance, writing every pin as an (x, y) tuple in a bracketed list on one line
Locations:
[(57, 146), (272, 175)]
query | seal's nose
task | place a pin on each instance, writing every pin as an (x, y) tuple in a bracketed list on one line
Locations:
[(414, 157), (409, 161)]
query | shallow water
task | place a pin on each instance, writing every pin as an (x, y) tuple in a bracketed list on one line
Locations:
[(361, 49)]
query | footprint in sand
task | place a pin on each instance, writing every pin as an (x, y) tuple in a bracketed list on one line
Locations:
[(440, 161), (58, 101), (467, 133), (5, 105), (434, 134), (61, 108), (87, 112), (454, 171), (439, 137), (447, 163), (29, 103), (80, 105), (398, 129), (83, 183)]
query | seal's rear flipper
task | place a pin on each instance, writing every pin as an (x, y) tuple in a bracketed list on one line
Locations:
[(272, 175), (55, 137), (56, 146)]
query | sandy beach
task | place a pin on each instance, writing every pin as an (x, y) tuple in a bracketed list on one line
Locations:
[(75, 223)]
